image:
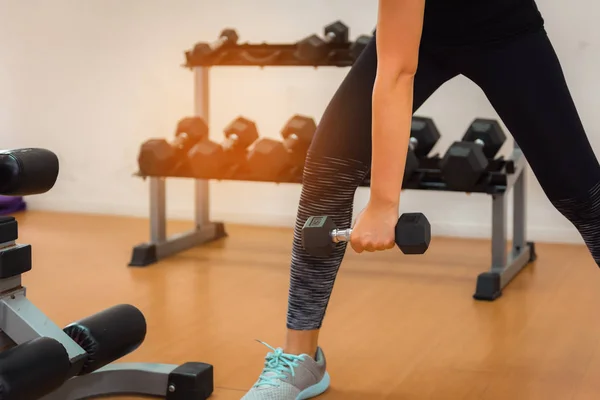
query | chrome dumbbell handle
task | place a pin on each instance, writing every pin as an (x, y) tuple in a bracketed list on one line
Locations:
[(413, 143), (340, 235)]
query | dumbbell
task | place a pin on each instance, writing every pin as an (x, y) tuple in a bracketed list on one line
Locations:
[(315, 48), (357, 47), (159, 157), (423, 136), (268, 158), (228, 37), (320, 234), (465, 162), (213, 159)]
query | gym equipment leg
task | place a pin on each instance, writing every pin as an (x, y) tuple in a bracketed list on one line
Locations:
[(161, 246), (506, 266), (152, 380), (21, 321)]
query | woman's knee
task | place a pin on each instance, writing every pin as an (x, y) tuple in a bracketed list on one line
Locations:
[(328, 187)]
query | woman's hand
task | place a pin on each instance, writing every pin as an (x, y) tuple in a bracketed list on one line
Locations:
[(374, 229)]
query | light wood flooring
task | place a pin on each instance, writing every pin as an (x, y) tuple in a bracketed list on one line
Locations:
[(398, 327)]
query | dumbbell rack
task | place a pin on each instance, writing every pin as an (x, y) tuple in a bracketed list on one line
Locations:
[(502, 176), (257, 55)]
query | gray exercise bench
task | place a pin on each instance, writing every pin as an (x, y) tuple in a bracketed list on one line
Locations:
[(39, 360)]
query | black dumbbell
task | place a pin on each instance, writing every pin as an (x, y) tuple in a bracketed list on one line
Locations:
[(423, 136), (315, 48), (159, 157), (208, 158), (357, 47), (466, 161), (268, 158), (320, 234), (228, 37)]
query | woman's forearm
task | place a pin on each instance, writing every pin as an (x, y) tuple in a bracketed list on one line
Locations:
[(392, 115)]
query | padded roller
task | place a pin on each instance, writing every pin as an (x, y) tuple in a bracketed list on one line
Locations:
[(25, 172), (108, 335), (33, 369)]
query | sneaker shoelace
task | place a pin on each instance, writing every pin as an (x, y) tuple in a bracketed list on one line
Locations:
[(277, 364)]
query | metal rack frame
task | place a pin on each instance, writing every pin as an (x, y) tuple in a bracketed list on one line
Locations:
[(160, 246), (504, 265)]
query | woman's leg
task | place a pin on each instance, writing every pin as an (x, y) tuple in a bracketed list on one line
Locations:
[(337, 163), (524, 82)]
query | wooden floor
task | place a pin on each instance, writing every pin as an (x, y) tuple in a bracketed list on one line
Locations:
[(398, 327)]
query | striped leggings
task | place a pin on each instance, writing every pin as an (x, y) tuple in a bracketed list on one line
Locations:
[(523, 80)]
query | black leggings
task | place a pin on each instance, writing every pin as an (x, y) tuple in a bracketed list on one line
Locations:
[(523, 80)]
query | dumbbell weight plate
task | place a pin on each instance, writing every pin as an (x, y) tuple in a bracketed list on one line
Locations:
[(189, 131), (413, 233), (228, 37), (267, 159), (424, 130), (489, 132), (301, 128), (156, 157), (337, 32), (313, 48), (316, 236), (358, 46), (207, 160), (244, 131), (462, 166)]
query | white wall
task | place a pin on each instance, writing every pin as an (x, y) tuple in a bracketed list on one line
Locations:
[(92, 79)]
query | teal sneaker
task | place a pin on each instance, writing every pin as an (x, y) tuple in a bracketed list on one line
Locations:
[(290, 377)]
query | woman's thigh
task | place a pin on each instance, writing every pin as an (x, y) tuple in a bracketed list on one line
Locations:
[(524, 82), (344, 131)]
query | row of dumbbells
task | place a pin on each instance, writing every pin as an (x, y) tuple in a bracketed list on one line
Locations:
[(466, 161), (313, 48), (241, 150), (241, 153)]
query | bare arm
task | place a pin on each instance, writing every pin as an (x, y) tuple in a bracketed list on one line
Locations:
[(399, 27)]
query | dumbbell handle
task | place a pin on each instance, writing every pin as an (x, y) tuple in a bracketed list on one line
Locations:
[(291, 142), (219, 42), (479, 142), (180, 140), (413, 142), (330, 36), (340, 235), (230, 141)]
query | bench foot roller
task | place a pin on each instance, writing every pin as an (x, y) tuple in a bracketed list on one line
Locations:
[(108, 335), (32, 369)]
